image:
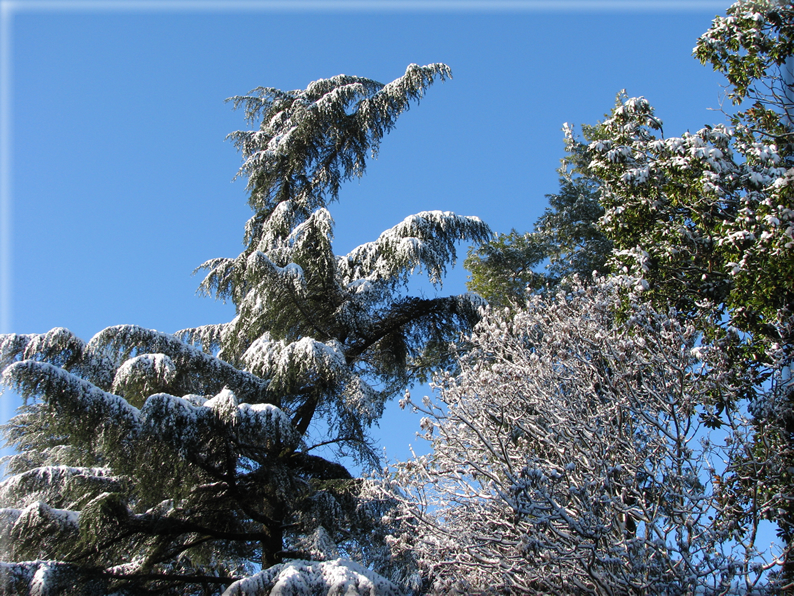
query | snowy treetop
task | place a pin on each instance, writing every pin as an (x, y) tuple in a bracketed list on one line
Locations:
[(286, 159)]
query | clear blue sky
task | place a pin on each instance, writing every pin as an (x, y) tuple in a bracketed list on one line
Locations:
[(117, 178)]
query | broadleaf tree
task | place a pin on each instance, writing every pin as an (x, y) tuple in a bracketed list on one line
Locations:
[(186, 463), (705, 221), (569, 456)]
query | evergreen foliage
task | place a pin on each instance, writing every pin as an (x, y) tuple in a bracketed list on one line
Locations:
[(566, 242), (155, 463)]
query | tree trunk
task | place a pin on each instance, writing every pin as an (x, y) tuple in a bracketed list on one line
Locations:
[(273, 545)]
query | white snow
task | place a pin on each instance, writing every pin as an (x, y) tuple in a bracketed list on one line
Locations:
[(340, 577)]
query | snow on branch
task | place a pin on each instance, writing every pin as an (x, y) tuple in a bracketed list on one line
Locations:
[(58, 346), (144, 375), (220, 278), (379, 113), (312, 236), (291, 275), (296, 364), (568, 456), (85, 406), (58, 486), (186, 426), (309, 577), (209, 338), (38, 578), (425, 241), (124, 341), (43, 532)]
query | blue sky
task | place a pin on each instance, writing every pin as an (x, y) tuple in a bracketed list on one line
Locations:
[(117, 181)]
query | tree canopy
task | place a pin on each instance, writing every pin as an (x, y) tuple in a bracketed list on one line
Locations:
[(704, 224), (618, 420), (569, 456)]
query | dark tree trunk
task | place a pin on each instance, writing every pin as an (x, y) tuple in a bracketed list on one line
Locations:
[(273, 545)]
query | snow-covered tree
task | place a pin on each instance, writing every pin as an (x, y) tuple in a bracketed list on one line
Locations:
[(570, 456), (706, 221), (156, 463)]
